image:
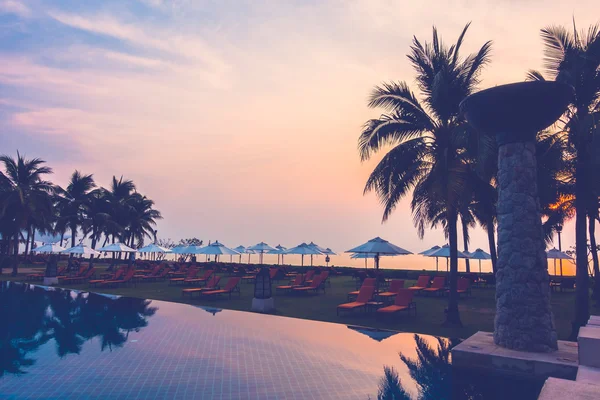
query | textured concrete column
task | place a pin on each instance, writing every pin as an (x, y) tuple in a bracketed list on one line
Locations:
[(523, 314)]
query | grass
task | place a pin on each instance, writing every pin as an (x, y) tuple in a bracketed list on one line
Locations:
[(477, 312)]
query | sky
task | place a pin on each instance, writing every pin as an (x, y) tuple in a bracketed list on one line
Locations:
[(240, 119)]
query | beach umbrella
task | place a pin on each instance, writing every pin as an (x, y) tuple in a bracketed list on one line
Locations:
[(444, 251), (117, 248), (82, 250), (217, 249), (280, 251), (429, 251), (364, 256), (479, 255), (319, 248), (556, 254), (328, 252), (303, 249), (242, 250), (49, 248), (178, 249), (379, 247), (261, 248), (154, 248)]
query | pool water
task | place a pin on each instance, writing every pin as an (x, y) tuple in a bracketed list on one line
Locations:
[(64, 344)]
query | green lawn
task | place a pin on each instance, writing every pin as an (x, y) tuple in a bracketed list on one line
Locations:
[(477, 312)]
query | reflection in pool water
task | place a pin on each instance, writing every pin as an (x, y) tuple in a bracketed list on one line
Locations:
[(67, 344)]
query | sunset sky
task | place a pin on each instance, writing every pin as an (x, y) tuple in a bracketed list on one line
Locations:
[(240, 118)]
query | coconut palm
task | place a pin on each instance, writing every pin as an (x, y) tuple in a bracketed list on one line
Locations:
[(429, 138), (118, 196), (73, 201), (574, 58), (141, 219), (24, 196)]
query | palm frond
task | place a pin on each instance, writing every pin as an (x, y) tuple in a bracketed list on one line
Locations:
[(386, 130), (533, 75), (557, 43)]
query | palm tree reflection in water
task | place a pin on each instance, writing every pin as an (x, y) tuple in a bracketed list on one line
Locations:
[(436, 379), (33, 315)]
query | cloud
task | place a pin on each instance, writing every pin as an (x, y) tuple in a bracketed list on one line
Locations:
[(14, 7)]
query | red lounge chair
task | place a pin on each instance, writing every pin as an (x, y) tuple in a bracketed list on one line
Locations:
[(366, 282), (421, 284), (154, 272), (438, 285), (127, 279), (404, 302), (296, 283), (41, 275), (213, 284), (191, 274), (364, 296), (393, 290), (230, 287), (79, 273), (315, 285), (116, 276), (80, 279), (203, 279), (324, 278), (160, 276), (181, 272), (463, 286)]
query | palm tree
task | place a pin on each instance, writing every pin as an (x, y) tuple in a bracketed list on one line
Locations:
[(74, 200), (118, 197), (24, 195), (141, 219), (429, 140), (574, 58)]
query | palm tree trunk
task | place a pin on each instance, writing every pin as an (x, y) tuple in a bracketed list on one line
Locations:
[(452, 314), (62, 237), (492, 244), (592, 232), (465, 232), (27, 242), (582, 295), (73, 235), (32, 238), (15, 269)]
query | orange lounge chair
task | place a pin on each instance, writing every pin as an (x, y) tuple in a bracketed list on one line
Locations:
[(315, 285), (191, 274), (296, 283), (365, 294), (203, 279), (160, 276), (80, 279), (404, 302), (181, 272), (366, 282), (154, 271), (438, 285), (127, 279), (80, 272), (231, 286), (463, 286), (116, 276), (422, 283), (324, 278), (393, 290), (213, 284), (41, 275)]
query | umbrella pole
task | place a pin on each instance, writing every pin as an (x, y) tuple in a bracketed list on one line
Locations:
[(311, 259), (376, 273), (302, 264), (447, 264), (554, 267), (437, 265), (479, 267), (561, 271)]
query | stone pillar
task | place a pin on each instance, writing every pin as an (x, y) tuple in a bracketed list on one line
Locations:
[(523, 313)]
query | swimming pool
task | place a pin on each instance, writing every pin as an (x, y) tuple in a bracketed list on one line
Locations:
[(66, 344)]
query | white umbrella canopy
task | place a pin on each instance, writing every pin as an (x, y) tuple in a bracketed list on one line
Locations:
[(243, 250), (261, 248), (280, 251), (364, 256), (154, 248), (379, 247), (317, 247), (444, 251), (429, 251), (178, 249), (217, 249), (81, 249), (479, 254), (303, 249), (555, 254), (49, 248), (117, 248)]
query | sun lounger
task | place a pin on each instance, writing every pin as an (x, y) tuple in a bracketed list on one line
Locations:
[(41, 275), (393, 290), (231, 286), (212, 284), (364, 295), (191, 274), (314, 286), (80, 279), (422, 283), (116, 276), (127, 279), (463, 286), (296, 283), (403, 302), (203, 279), (366, 282), (438, 285)]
